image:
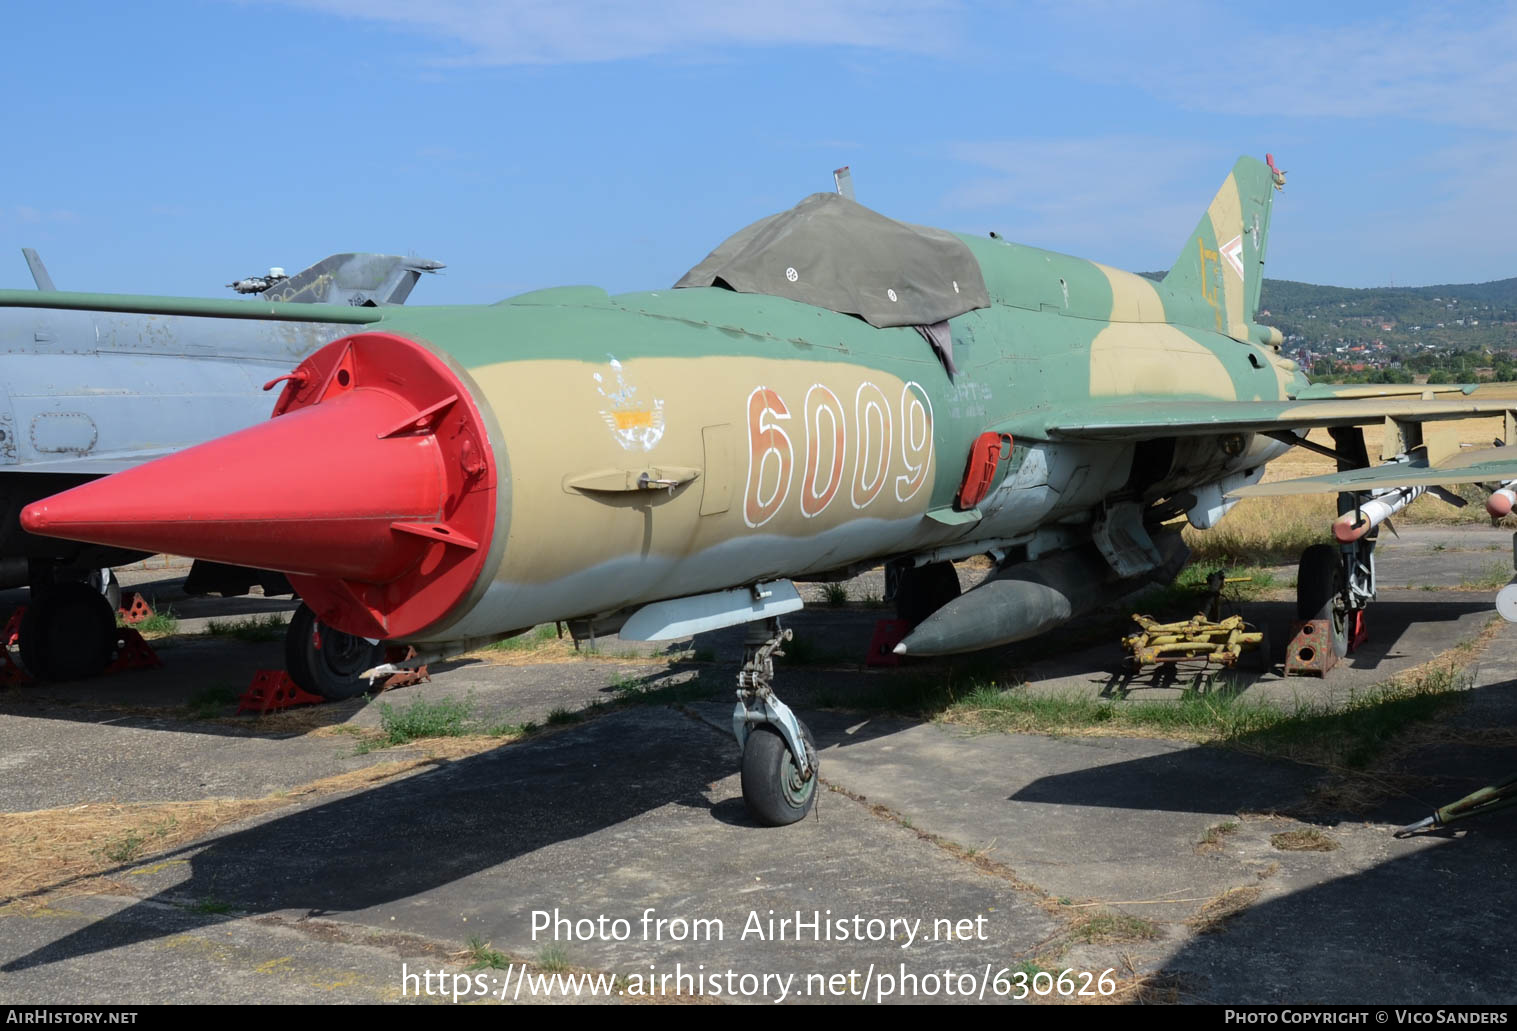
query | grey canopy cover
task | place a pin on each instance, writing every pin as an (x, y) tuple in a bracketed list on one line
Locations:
[(837, 254)]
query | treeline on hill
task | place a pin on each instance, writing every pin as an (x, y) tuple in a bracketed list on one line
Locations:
[(1450, 333), (1462, 315), (1438, 367)]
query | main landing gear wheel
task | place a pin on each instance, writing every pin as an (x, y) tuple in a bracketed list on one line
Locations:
[(68, 632), (922, 590), (1322, 592), (779, 757), (325, 661)]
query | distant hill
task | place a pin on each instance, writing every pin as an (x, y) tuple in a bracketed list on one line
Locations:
[(1285, 295), (1457, 316)]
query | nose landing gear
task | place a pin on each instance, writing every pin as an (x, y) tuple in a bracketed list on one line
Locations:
[(779, 756)]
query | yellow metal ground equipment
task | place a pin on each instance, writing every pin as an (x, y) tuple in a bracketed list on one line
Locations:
[(1216, 642)]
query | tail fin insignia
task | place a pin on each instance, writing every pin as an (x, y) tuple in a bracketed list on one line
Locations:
[(1216, 280)]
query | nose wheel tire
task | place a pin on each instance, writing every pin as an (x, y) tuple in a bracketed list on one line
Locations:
[(325, 661), (773, 788), (68, 632)]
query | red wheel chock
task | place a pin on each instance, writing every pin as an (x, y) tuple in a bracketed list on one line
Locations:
[(406, 677), (1358, 630), (11, 673), (1311, 649), (12, 631), (134, 607), (132, 652), (887, 634), (272, 690)]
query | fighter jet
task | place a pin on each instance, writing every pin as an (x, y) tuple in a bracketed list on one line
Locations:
[(827, 391), (87, 394)]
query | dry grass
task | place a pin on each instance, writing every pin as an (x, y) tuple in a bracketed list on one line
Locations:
[(465, 745), (1265, 531), (1212, 840), (542, 645), (1112, 929), (1307, 839), (1133, 988), (1359, 791), (1215, 915), (76, 847)]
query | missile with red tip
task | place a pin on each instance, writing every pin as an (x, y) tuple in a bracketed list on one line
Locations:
[(1384, 503), (1500, 503)]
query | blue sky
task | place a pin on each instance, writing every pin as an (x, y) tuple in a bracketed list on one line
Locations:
[(170, 147)]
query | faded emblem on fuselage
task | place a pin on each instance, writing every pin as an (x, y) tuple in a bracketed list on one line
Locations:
[(635, 423)]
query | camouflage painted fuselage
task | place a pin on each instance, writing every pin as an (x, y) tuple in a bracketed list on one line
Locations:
[(618, 451), (799, 441)]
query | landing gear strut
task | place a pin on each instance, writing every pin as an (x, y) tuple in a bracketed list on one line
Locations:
[(779, 757), (1334, 585), (1322, 593)]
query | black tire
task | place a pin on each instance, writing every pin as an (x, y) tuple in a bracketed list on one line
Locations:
[(326, 661), (923, 590), (68, 632), (1321, 592), (772, 789)]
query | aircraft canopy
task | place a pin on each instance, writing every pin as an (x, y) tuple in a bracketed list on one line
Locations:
[(835, 253)]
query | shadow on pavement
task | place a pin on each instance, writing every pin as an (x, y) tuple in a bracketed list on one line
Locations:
[(410, 836), (1433, 925)]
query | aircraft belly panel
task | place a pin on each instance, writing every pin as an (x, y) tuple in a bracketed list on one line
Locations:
[(631, 579)]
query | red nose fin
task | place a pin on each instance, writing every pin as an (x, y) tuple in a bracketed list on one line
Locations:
[(373, 488)]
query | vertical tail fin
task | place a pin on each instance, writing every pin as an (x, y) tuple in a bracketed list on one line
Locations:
[(356, 279), (39, 270), (1215, 281)]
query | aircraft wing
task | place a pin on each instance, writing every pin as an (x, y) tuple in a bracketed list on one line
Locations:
[(89, 465), (273, 311), (1479, 465), (1342, 391), (1144, 420)]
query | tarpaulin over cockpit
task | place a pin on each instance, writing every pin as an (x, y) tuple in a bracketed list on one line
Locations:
[(835, 253)]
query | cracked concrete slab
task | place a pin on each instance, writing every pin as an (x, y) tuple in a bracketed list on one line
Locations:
[(640, 807)]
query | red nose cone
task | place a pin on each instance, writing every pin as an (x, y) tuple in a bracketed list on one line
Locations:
[(313, 492), (1499, 503), (373, 487)]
